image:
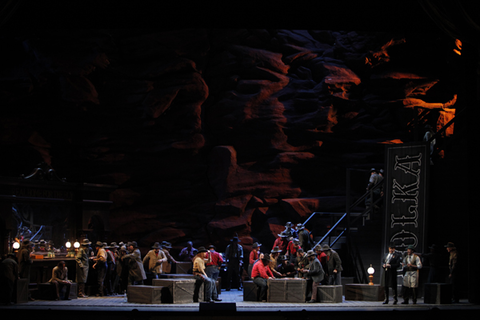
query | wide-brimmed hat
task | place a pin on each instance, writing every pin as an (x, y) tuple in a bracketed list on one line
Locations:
[(282, 258), (450, 245), (300, 226), (99, 244), (288, 224), (411, 247), (156, 245), (132, 243), (85, 242), (166, 244), (326, 247), (201, 249), (311, 253), (256, 245), (113, 245), (211, 246), (275, 250), (235, 239)]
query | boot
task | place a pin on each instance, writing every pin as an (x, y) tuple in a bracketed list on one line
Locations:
[(81, 290)]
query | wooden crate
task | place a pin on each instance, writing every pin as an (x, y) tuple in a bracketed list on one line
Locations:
[(178, 290), (331, 294), (249, 291), (144, 294), (286, 290)]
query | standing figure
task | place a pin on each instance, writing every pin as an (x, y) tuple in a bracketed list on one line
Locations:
[(301, 263), (390, 263), (234, 257), (133, 260), (100, 266), (213, 269), (292, 248), (187, 253), (154, 260), (453, 271), (304, 237), (314, 274), (411, 268), (201, 277), (282, 242), (25, 261), (82, 265), (8, 279), (254, 255), (167, 266), (60, 279), (333, 266)]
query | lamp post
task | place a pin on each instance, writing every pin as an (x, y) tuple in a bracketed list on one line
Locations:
[(370, 271)]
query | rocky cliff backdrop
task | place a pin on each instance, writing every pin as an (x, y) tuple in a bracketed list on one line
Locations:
[(210, 133)]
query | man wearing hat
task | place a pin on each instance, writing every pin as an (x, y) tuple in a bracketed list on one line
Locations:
[(154, 259), (82, 264), (254, 254), (100, 266), (292, 248), (25, 261), (282, 242), (274, 254), (134, 264), (390, 263), (201, 276), (411, 266), (304, 237), (314, 274), (234, 257), (261, 272), (285, 267), (212, 269), (333, 265), (167, 266), (453, 270)]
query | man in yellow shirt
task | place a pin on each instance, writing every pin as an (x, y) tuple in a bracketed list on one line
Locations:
[(201, 277)]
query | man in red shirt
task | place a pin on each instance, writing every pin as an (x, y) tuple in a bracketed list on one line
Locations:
[(292, 248), (213, 268), (254, 255), (281, 242), (261, 273)]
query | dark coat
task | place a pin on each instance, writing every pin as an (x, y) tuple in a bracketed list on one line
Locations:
[(315, 271), (389, 276)]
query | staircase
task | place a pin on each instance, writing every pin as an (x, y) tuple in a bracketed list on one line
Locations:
[(356, 236)]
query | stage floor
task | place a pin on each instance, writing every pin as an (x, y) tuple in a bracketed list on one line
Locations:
[(232, 304)]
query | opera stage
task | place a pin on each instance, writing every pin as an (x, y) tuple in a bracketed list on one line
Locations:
[(232, 306)]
